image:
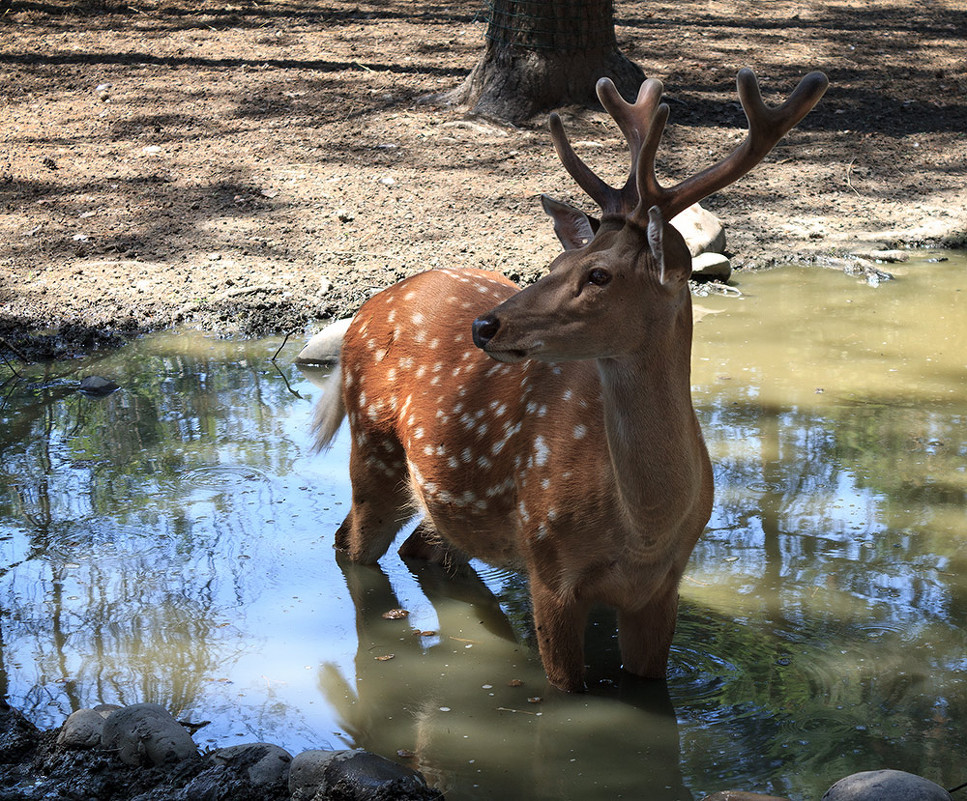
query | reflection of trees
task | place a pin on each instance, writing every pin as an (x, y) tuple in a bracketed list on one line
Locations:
[(823, 523), (120, 526)]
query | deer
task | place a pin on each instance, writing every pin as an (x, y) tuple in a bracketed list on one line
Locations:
[(550, 429)]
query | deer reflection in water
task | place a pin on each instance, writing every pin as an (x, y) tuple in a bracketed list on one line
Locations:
[(482, 721)]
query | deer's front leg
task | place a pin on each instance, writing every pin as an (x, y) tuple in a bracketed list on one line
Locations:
[(645, 635), (560, 626)]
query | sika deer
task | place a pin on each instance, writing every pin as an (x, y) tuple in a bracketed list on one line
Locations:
[(556, 433)]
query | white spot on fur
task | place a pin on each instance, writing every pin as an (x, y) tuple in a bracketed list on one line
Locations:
[(580, 431), (541, 451)]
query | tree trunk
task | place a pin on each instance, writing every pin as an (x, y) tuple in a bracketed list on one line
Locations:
[(545, 53)]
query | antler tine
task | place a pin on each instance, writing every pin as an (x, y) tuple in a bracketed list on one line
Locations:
[(597, 190), (634, 120), (766, 127)]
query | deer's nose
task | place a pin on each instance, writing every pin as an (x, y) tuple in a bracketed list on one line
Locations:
[(484, 329)]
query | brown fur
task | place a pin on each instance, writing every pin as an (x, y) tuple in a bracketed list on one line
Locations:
[(564, 442)]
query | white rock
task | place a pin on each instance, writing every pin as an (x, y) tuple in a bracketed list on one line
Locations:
[(702, 230), (712, 266), (324, 347)]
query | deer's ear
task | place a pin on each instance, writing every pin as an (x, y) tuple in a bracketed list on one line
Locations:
[(573, 227), (671, 271)]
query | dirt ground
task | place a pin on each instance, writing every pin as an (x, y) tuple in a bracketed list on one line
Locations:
[(252, 166)]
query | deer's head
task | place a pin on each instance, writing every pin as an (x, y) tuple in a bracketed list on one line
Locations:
[(622, 276)]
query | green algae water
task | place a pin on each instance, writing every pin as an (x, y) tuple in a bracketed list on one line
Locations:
[(172, 542)]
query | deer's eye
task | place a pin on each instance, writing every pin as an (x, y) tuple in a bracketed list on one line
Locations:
[(599, 276)]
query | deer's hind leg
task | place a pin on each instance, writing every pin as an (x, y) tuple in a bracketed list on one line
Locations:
[(382, 502)]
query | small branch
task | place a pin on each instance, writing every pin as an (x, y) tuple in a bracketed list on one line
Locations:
[(280, 347), (16, 352), (849, 183)]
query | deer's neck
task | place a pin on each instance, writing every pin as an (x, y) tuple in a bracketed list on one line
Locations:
[(655, 444)]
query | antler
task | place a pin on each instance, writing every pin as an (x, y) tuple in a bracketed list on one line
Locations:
[(643, 122), (766, 127), (635, 122)]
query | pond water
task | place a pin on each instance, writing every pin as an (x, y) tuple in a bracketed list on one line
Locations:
[(172, 542)]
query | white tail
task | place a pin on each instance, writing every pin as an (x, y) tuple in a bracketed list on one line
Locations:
[(556, 433)]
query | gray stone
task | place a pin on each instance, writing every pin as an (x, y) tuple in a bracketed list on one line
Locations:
[(354, 776), (146, 734), (885, 785), (96, 386), (711, 266), (307, 773), (702, 230), (82, 729), (264, 764)]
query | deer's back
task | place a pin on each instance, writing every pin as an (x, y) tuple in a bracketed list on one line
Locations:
[(475, 435)]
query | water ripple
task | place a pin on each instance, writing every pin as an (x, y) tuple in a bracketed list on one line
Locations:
[(220, 477)]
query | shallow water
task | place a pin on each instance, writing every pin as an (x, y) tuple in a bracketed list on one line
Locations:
[(173, 543)]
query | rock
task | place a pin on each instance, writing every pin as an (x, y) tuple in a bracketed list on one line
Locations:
[(82, 729), (146, 734), (887, 255), (264, 764), (96, 386), (702, 230), (354, 776), (324, 347), (885, 785), (17, 734), (711, 267), (307, 773)]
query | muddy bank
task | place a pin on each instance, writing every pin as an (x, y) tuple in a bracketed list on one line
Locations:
[(252, 168)]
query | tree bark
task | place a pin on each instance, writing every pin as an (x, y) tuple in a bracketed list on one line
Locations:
[(541, 54)]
